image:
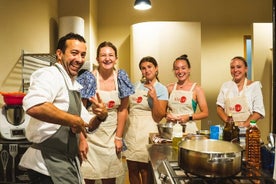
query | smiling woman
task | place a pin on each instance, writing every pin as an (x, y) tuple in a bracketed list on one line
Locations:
[(106, 142), (147, 107), (185, 95), (240, 97)]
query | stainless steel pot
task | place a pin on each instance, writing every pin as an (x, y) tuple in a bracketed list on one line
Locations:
[(165, 130), (210, 158), (14, 114)]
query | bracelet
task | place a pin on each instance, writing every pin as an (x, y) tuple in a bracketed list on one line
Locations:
[(118, 138)]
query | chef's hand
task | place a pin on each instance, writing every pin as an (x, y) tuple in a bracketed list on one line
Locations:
[(151, 92), (79, 125), (83, 148), (98, 107)]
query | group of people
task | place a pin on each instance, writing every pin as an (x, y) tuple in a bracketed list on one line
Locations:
[(81, 123)]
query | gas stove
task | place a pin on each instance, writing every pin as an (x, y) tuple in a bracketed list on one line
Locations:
[(164, 163), (170, 173)]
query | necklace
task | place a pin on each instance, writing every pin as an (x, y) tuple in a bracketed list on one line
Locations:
[(181, 85)]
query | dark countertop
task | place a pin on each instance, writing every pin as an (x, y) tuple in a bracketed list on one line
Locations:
[(21, 141)]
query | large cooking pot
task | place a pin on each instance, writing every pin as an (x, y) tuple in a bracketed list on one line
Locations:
[(13, 98), (210, 158)]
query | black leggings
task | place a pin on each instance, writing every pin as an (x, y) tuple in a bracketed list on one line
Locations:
[(38, 178)]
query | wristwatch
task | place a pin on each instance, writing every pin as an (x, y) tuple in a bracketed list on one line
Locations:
[(190, 117)]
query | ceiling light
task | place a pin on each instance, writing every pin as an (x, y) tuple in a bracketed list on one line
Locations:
[(142, 4)]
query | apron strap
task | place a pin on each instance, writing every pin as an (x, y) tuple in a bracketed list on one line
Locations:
[(193, 86)]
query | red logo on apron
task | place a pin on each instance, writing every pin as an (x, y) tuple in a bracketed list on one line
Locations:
[(111, 104), (183, 99), (139, 99), (238, 107)]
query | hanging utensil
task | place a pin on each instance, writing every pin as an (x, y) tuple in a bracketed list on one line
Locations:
[(13, 149), (4, 158)]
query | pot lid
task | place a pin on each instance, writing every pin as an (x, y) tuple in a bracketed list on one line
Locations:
[(210, 146)]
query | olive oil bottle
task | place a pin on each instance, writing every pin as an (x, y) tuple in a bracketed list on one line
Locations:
[(253, 146), (177, 135)]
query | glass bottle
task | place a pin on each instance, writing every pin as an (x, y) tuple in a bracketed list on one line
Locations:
[(253, 147), (230, 131), (177, 135)]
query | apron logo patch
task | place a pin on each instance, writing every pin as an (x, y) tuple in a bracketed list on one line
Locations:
[(139, 99), (111, 104), (183, 99), (238, 107)]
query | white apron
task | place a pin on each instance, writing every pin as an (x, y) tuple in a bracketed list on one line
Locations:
[(139, 125), (103, 162), (238, 106), (180, 103)]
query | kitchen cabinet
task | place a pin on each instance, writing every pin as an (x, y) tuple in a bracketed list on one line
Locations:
[(11, 152)]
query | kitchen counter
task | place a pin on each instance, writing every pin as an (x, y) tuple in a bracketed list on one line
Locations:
[(159, 153), (164, 152)]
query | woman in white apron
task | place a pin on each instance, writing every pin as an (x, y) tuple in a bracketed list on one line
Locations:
[(240, 97), (185, 96), (147, 107), (105, 142)]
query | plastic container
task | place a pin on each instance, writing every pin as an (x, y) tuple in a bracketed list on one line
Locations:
[(13, 98), (214, 132), (177, 135)]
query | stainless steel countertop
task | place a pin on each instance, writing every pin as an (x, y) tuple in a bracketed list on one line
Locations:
[(159, 153)]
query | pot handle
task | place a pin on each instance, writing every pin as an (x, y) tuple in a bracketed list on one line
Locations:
[(220, 160)]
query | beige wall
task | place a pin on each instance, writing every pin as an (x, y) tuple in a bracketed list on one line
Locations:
[(165, 46), (32, 25), (25, 25), (262, 69)]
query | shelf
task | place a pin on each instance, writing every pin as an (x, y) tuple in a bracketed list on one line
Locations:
[(33, 61)]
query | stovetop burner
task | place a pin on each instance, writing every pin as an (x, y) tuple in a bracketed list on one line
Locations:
[(171, 173)]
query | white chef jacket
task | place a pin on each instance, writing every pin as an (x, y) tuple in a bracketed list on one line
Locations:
[(46, 85)]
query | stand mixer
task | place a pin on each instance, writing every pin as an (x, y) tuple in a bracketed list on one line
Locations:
[(13, 122), (13, 119)]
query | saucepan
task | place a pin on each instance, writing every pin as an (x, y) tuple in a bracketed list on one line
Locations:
[(165, 130), (13, 98), (210, 157)]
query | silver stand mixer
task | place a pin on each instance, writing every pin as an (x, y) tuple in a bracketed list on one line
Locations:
[(13, 122)]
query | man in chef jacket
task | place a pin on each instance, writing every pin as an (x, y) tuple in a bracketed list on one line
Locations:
[(58, 119)]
